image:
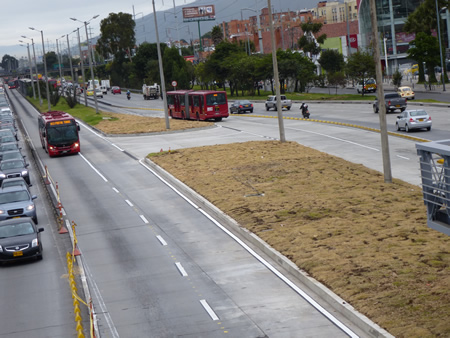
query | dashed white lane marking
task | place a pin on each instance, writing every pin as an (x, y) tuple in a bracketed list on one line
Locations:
[(117, 191), (208, 309), (163, 242), (144, 219), (129, 203), (181, 269), (403, 157)]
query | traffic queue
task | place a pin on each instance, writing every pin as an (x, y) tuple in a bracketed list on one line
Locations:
[(19, 235)]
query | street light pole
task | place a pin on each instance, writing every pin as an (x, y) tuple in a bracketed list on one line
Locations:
[(45, 67), (59, 61), (35, 66), (161, 70), (90, 60), (70, 57), (31, 69), (82, 68), (438, 17)]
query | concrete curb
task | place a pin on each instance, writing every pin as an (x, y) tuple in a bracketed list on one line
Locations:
[(337, 303)]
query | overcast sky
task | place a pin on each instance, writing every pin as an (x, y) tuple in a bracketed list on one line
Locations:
[(53, 18)]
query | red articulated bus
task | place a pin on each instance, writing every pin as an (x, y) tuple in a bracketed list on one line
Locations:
[(202, 104), (58, 131)]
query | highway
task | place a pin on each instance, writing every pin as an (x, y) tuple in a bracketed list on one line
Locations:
[(159, 267), (156, 266)]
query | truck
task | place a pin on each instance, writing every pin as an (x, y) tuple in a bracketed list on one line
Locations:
[(106, 84), (392, 102), (271, 102), (151, 92)]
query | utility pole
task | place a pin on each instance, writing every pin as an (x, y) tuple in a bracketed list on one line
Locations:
[(275, 75), (380, 93)]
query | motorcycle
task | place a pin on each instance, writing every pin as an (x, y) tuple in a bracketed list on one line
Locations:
[(128, 95), (305, 111)]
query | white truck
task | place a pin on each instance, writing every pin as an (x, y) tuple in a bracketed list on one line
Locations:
[(271, 102), (105, 83), (151, 92)]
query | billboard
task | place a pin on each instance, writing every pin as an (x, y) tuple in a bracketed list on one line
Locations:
[(201, 13)]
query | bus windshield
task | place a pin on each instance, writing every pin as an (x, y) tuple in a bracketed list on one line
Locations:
[(62, 134), (215, 99)]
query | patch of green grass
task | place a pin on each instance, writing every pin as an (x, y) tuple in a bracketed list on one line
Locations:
[(80, 111)]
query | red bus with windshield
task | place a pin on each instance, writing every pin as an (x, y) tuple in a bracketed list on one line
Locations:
[(58, 131), (197, 105)]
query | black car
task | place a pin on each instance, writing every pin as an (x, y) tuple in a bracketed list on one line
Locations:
[(14, 168), (241, 106), (20, 239)]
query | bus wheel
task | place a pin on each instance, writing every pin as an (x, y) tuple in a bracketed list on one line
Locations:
[(218, 119)]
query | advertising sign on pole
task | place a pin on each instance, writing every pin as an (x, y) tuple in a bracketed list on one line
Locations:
[(202, 13)]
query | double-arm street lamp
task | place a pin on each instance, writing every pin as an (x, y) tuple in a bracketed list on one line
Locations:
[(35, 65), (90, 58), (31, 68), (438, 17), (45, 66), (83, 77)]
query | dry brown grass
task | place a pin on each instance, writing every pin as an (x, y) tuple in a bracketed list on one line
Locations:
[(366, 240), (135, 124)]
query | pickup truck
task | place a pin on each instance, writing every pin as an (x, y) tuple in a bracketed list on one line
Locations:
[(271, 102), (392, 101)]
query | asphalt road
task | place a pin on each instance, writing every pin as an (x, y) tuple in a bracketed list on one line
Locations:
[(156, 266)]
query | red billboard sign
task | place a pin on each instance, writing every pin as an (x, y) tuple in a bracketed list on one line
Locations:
[(201, 13)]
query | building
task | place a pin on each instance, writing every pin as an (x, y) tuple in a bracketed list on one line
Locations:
[(335, 11), (394, 41)]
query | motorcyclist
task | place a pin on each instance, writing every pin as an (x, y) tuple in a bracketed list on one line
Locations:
[(305, 111), (128, 94)]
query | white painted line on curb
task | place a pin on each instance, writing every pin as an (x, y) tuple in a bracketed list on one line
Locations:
[(209, 310), (98, 172), (181, 269), (163, 242)]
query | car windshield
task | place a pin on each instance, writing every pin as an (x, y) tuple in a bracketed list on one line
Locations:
[(418, 113), (18, 229), (11, 164), (14, 196), (8, 146), (14, 155)]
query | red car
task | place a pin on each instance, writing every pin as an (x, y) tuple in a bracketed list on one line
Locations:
[(116, 90)]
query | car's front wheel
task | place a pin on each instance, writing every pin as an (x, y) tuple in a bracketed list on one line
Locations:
[(398, 127), (267, 107)]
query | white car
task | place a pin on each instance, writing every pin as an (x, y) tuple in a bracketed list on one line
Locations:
[(104, 90)]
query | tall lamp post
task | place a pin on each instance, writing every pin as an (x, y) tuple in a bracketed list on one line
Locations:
[(35, 66), (70, 57), (261, 50), (90, 59), (45, 66), (31, 69), (83, 77), (438, 17), (59, 61)]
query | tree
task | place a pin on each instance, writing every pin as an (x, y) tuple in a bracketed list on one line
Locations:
[(216, 35), (117, 36), (425, 49), (337, 79), (51, 60), (332, 61), (309, 43), (9, 62), (397, 78), (360, 66), (175, 68)]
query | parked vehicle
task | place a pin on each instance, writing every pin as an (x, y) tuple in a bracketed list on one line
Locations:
[(367, 86), (271, 102), (406, 92), (241, 106), (20, 239), (392, 101), (151, 92), (413, 119)]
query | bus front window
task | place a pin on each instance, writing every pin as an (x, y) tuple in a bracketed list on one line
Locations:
[(216, 99), (62, 135)]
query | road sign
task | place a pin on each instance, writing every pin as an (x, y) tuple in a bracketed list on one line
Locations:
[(174, 83)]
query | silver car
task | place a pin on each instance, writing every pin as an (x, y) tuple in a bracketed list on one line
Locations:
[(413, 119), (16, 201)]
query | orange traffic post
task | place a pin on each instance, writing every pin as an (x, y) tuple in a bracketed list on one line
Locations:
[(76, 251), (46, 180)]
